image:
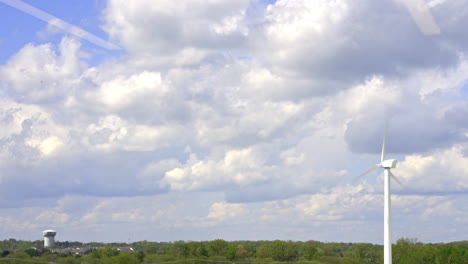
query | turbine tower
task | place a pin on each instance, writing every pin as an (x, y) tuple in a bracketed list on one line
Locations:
[(49, 238), (387, 165)]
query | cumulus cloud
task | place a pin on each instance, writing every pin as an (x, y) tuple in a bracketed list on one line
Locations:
[(118, 94), (53, 218), (443, 171), (220, 211), (112, 132), (336, 34), (30, 134), (145, 28), (241, 167), (12, 223), (416, 122), (43, 73)]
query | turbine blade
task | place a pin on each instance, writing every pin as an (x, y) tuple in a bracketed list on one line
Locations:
[(422, 16), (384, 143), (67, 27), (395, 178), (366, 172)]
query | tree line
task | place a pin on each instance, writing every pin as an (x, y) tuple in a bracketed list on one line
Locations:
[(405, 251)]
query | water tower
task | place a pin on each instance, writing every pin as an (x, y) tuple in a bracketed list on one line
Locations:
[(49, 238)]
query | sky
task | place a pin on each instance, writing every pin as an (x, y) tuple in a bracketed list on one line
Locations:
[(170, 120)]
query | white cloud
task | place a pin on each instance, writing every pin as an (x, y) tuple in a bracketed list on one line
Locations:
[(375, 94), (230, 24), (30, 133), (113, 133), (437, 82), (342, 202), (144, 27), (239, 167), (442, 171), (12, 223), (292, 21), (221, 210), (120, 93), (291, 157), (441, 209), (341, 42), (53, 218), (151, 175), (244, 118), (46, 146), (38, 74)]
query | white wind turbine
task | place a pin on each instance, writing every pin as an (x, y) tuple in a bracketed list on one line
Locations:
[(386, 165)]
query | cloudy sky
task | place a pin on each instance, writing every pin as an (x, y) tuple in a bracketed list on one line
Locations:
[(235, 119)]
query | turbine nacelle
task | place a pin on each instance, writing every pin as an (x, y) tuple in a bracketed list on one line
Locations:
[(388, 164)]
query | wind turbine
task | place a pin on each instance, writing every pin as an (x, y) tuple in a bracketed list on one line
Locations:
[(387, 165)]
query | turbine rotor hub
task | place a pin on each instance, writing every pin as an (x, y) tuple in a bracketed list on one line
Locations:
[(388, 164)]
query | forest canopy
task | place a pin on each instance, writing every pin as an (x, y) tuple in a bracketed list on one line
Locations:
[(405, 251)]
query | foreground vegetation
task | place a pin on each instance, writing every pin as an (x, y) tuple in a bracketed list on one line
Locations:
[(405, 251)]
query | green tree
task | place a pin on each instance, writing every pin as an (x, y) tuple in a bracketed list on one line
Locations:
[(231, 252), (20, 255), (140, 255), (284, 251), (49, 256), (401, 250), (278, 249), (107, 251), (68, 260), (365, 252), (154, 258), (241, 252), (178, 249), (33, 252), (197, 249), (217, 247), (292, 252), (410, 251), (150, 247), (124, 258), (333, 249), (263, 252), (450, 255), (310, 252)]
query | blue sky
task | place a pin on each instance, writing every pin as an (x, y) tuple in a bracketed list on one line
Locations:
[(241, 120), (22, 28)]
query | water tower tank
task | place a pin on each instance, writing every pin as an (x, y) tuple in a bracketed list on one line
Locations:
[(49, 237)]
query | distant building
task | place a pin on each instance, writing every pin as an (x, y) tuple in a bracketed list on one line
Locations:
[(126, 249), (49, 236)]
